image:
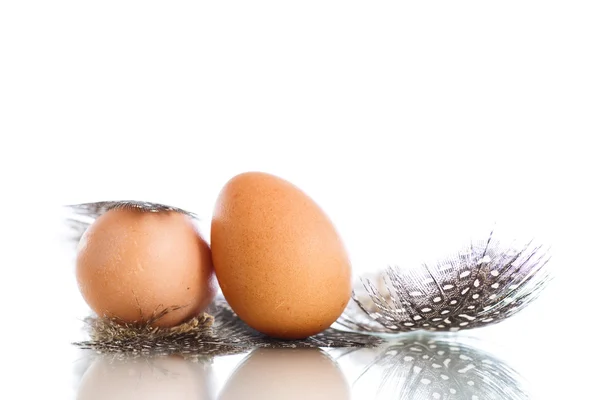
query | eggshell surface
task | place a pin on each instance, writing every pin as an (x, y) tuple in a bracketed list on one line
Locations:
[(278, 258), (132, 264)]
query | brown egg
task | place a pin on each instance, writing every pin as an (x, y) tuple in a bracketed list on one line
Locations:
[(278, 258), (132, 264)]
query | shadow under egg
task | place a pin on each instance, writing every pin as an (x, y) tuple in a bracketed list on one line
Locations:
[(287, 374)]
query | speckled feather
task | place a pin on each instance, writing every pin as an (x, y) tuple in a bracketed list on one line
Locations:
[(94, 210), (231, 329), (482, 284), (218, 332), (80, 216)]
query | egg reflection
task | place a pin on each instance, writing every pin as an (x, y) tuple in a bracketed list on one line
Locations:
[(145, 378), (286, 374)]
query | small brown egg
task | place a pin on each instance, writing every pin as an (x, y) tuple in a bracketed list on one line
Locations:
[(278, 258), (132, 264)]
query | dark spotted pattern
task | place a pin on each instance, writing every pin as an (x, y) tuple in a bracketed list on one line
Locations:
[(484, 283), (227, 335)]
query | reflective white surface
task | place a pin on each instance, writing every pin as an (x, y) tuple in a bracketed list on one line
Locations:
[(160, 378), (409, 123), (548, 357)]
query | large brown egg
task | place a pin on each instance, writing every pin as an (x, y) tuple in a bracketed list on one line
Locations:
[(278, 258), (132, 264)]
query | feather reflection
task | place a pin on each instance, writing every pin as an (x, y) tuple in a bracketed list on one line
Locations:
[(426, 366)]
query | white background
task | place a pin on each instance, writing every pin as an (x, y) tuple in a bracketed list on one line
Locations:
[(412, 125)]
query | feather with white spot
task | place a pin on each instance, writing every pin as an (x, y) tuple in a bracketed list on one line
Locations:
[(482, 284)]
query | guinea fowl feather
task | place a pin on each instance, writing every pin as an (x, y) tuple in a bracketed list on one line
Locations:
[(482, 284)]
